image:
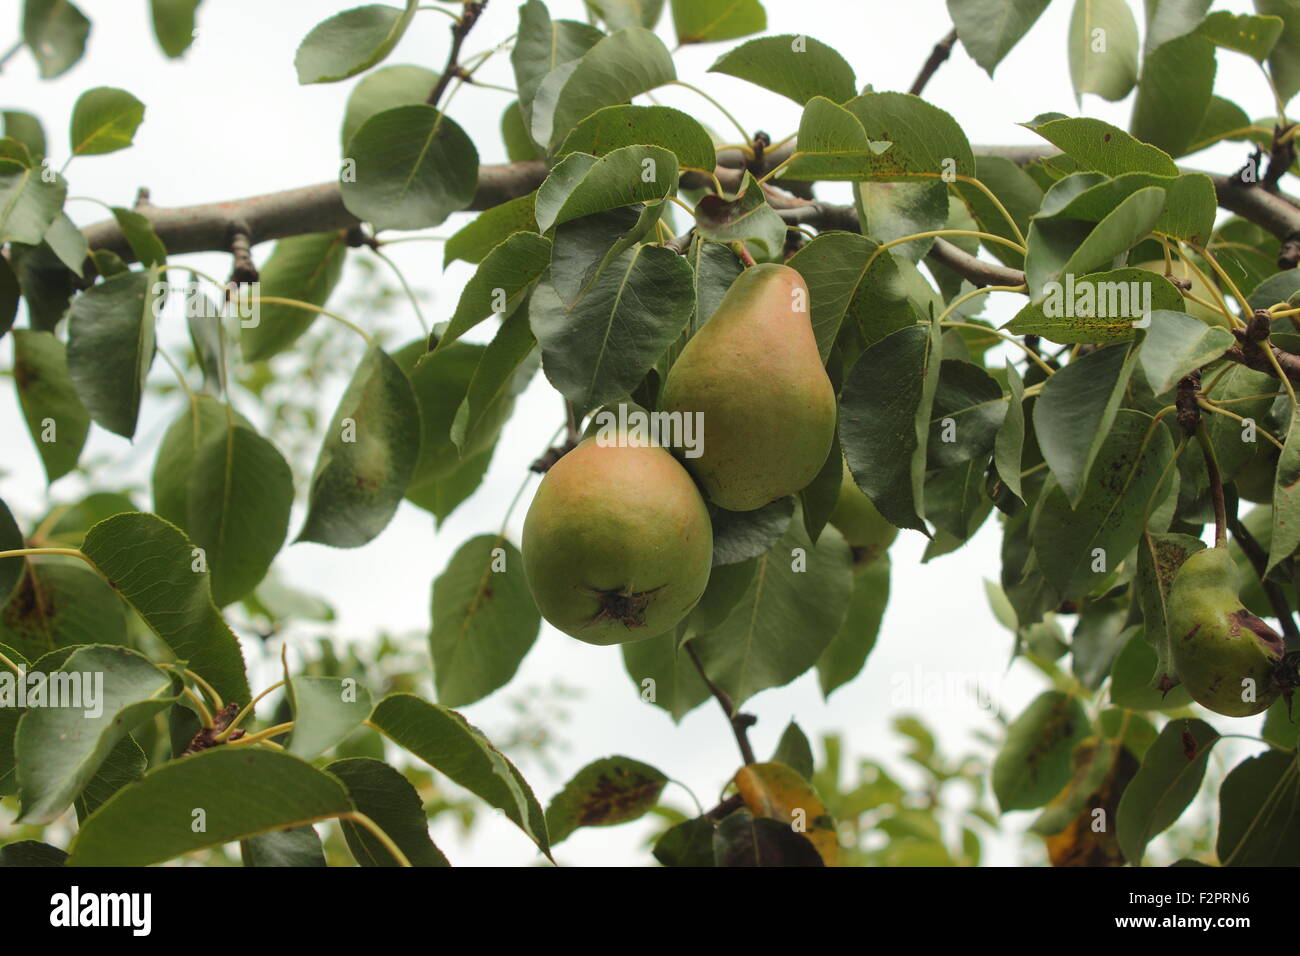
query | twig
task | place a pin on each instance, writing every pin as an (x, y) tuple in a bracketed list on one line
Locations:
[(459, 30), (10, 53), (740, 723), (942, 50)]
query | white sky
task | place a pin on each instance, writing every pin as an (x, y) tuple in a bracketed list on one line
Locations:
[(230, 120)]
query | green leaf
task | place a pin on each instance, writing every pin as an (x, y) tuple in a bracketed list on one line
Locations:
[(1107, 521), (499, 284), (1099, 308), (848, 288), (794, 751), (923, 141), (885, 420), (240, 493), (1059, 248), (603, 794), (490, 228), (1253, 36), (1034, 762), (58, 605), (745, 840), (619, 67), (618, 14), (708, 21), (125, 763), (988, 29), (325, 710), (55, 31), (31, 853), (351, 42), (1170, 776), (111, 346), (382, 90), (741, 535), (1009, 446), (1074, 412), (484, 620), (440, 380), (305, 268), (746, 217), (601, 346), (367, 458), (414, 168), (441, 496), (1259, 812), (202, 418), (689, 843), (447, 742), (1286, 498), (968, 410), (63, 740), (1177, 82), (665, 676), (56, 419), (832, 143), (242, 791), (11, 539), (1284, 61), (104, 120), (173, 24), (139, 232), (795, 66), (25, 128), (28, 204), (68, 243), (294, 846), (1101, 146), (502, 374), (543, 45), (582, 185), (1176, 344), (1166, 19), (793, 606), (617, 127), (847, 652), (10, 293), (1131, 681), (387, 798), (148, 562), (889, 211), (1103, 46)]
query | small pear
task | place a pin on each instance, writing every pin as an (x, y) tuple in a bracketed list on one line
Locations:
[(1226, 657), (755, 374), (617, 542), (861, 524)]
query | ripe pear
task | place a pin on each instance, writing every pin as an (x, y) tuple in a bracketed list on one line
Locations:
[(617, 543), (858, 520), (755, 374), (1198, 289), (1226, 657)]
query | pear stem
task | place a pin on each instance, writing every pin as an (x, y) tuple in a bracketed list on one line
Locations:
[(740, 723)]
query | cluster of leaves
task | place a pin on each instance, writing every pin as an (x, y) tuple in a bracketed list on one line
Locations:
[(1075, 452)]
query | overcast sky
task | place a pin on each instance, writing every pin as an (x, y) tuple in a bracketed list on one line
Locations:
[(230, 120)]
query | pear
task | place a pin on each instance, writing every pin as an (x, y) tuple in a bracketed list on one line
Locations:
[(861, 524), (1226, 657), (617, 542), (755, 374), (1198, 289)]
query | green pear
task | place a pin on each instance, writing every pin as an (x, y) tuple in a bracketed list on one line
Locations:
[(1226, 657), (858, 520), (754, 374), (1198, 289), (617, 542)]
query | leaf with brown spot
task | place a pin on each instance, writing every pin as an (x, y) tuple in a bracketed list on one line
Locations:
[(604, 793), (1091, 839), (745, 840), (1034, 762), (777, 792)]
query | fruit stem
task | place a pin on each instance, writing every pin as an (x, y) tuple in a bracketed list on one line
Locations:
[(1216, 487), (740, 723)]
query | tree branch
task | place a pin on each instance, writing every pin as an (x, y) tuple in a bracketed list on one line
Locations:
[(942, 50), (459, 30)]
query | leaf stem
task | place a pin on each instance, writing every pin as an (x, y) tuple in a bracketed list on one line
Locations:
[(1010, 338), (744, 134), (239, 718), (740, 723), (988, 193), (359, 818), (1216, 487), (263, 736), (277, 300), (204, 714), (1214, 407)]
